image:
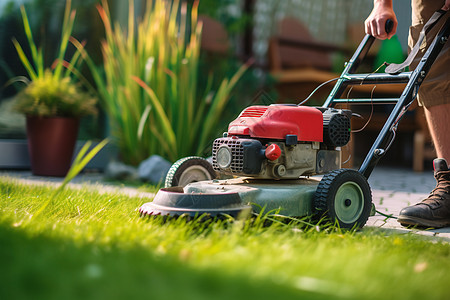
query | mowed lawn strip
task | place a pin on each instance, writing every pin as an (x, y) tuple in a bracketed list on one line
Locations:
[(94, 245)]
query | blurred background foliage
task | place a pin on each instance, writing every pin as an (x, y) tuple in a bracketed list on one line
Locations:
[(45, 21), (45, 18), (256, 86)]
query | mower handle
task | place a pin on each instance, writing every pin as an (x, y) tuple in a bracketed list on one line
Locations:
[(412, 79), (389, 25)]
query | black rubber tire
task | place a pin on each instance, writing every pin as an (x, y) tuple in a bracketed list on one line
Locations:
[(176, 176), (331, 199)]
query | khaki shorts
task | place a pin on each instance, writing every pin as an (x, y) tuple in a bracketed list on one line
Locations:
[(435, 90)]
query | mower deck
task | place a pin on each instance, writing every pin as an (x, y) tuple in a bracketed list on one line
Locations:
[(232, 196)]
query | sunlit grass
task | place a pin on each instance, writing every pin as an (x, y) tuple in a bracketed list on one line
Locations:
[(95, 245)]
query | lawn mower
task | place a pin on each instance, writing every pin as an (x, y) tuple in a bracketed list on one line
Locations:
[(272, 153)]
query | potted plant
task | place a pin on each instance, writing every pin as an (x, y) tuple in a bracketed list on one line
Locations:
[(52, 102), (53, 108)]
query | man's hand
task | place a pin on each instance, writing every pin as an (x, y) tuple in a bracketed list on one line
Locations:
[(376, 21), (446, 5)]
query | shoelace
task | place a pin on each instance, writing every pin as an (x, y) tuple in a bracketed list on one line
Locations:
[(442, 188)]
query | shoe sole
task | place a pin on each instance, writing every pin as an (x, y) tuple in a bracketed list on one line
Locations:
[(413, 221)]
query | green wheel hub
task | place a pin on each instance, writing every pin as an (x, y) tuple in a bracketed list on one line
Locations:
[(193, 174), (189, 169), (349, 202), (343, 196)]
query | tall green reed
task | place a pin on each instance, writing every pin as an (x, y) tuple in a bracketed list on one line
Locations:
[(148, 82), (52, 86), (36, 67)]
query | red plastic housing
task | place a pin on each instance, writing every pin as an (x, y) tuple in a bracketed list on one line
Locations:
[(277, 121)]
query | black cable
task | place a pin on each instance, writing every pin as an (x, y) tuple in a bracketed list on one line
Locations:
[(316, 89), (402, 113), (394, 133), (385, 215), (371, 113)]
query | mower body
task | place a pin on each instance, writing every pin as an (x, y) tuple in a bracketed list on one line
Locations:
[(282, 142), (271, 152)]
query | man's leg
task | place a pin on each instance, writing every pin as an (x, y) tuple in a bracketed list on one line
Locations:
[(438, 119), (434, 95)]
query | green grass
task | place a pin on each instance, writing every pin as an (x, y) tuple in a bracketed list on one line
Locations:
[(92, 246)]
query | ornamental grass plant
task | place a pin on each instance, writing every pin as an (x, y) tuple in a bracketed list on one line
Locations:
[(148, 82), (51, 88), (48, 96)]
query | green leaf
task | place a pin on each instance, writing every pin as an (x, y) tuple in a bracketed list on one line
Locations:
[(82, 159), (37, 56), (25, 62), (143, 120), (165, 127)]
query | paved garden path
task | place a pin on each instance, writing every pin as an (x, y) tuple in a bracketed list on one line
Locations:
[(392, 189)]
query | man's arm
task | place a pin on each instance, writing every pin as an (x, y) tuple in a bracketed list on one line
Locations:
[(381, 12)]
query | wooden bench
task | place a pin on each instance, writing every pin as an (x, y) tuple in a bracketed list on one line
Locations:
[(297, 61), (214, 36)]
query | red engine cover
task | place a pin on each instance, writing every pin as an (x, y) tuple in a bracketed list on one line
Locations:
[(277, 121)]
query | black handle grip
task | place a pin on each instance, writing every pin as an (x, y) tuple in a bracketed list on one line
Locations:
[(389, 25)]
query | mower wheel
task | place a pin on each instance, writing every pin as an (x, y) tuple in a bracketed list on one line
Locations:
[(189, 169), (344, 196)]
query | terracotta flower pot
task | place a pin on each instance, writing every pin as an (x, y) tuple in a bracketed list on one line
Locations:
[(51, 142)]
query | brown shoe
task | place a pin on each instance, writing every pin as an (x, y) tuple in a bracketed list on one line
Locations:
[(434, 211)]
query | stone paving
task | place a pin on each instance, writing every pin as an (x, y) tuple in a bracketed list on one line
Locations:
[(392, 189)]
